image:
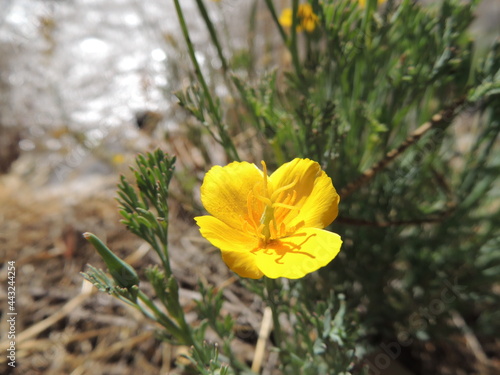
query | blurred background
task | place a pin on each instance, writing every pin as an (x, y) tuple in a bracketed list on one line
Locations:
[(84, 86)]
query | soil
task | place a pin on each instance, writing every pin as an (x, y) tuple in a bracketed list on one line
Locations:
[(63, 325)]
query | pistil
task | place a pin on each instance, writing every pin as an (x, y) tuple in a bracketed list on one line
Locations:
[(268, 214), (276, 206)]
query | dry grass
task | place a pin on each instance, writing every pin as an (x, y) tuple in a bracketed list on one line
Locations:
[(63, 325)]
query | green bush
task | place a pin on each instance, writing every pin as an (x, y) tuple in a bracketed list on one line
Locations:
[(379, 95)]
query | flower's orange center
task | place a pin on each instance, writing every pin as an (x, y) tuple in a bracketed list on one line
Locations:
[(269, 209)]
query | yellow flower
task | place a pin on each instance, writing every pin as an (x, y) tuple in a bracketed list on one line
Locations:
[(307, 19), (118, 159), (271, 225), (362, 3)]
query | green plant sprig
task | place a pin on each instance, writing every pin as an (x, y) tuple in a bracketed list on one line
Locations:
[(213, 108), (145, 212)]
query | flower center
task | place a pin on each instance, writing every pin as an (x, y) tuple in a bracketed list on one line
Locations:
[(268, 210)]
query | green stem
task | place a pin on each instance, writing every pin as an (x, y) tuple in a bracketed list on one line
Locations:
[(213, 34), (215, 39), (225, 138), (161, 250), (293, 42), (270, 6), (164, 320), (181, 332), (271, 286)]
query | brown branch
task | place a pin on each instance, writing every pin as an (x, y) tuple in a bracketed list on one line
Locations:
[(382, 224), (445, 116)]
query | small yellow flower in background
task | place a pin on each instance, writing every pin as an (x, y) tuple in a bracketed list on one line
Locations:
[(271, 225), (362, 3), (307, 19), (118, 159)]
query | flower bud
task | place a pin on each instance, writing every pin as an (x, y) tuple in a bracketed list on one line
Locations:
[(123, 274)]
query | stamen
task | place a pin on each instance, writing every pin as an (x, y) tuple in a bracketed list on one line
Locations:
[(283, 188), (283, 229), (283, 205), (276, 207), (264, 200), (260, 234), (272, 230), (247, 227), (291, 197)]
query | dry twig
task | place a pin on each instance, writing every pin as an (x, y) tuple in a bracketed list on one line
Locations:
[(443, 117)]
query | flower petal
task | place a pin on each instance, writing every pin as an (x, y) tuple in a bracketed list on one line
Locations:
[(225, 190), (317, 199), (242, 263), (286, 17), (236, 246), (295, 256)]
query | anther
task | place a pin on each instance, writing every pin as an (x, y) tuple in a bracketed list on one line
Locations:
[(283, 188)]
